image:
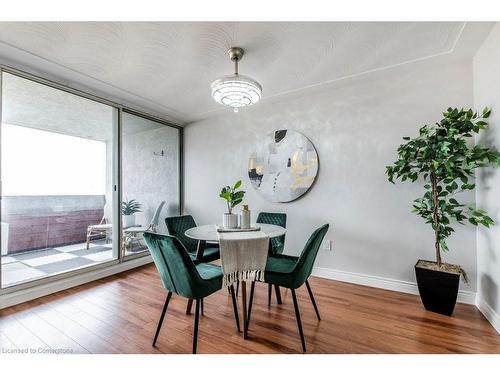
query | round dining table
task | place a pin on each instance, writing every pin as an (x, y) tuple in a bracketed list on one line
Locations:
[(208, 233)]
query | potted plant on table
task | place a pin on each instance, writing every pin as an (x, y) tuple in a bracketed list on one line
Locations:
[(442, 157), (233, 197), (129, 208)]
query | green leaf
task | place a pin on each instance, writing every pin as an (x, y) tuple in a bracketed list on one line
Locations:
[(236, 202), (473, 220), (238, 195)]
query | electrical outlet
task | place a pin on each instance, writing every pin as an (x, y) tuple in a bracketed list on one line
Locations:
[(327, 245)]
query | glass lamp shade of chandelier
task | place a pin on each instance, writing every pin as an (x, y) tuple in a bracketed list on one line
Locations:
[(236, 91)]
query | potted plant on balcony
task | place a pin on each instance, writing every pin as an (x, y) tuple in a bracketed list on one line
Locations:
[(444, 159), (233, 197), (129, 208)]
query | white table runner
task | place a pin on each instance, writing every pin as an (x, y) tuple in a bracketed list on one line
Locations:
[(243, 256)]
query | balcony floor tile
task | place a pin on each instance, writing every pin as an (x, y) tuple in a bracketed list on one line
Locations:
[(36, 254), (56, 258), (65, 265)]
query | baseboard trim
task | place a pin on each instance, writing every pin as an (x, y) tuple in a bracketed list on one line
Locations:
[(464, 296), (25, 295), (489, 313)]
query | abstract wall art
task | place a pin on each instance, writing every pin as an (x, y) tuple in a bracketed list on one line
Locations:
[(283, 167)]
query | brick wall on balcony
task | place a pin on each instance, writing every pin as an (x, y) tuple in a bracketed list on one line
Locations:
[(49, 221)]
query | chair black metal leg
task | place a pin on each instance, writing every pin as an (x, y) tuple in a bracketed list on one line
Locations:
[(189, 306), (252, 288), (278, 294), (269, 294), (237, 287), (299, 322), (235, 308), (196, 321), (161, 317), (312, 299), (202, 308)]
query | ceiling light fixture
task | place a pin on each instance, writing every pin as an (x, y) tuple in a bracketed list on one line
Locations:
[(236, 90)]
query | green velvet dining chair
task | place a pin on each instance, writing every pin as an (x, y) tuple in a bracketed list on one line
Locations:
[(181, 276), (292, 272), (277, 245), (178, 225)]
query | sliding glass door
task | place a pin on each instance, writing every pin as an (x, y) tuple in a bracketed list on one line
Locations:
[(57, 165), (82, 179), (150, 178)]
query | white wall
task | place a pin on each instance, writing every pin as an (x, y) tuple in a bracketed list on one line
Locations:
[(356, 125), (487, 93)]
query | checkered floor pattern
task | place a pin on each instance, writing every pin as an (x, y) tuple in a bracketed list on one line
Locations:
[(36, 264)]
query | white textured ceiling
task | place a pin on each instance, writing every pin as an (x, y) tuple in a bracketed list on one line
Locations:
[(170, 65), (30, 104)]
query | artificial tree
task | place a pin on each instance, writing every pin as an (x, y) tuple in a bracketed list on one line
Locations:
[(444, 158)]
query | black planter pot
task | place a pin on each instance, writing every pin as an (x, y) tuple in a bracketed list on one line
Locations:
[(438, 290)]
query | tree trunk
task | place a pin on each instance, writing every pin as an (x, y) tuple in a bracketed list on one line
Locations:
[(435, 212)]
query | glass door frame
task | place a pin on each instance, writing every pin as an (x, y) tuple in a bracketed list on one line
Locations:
[(180, 166), (118, 110)]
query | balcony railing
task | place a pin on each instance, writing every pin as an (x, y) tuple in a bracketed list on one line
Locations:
[(39, 222)]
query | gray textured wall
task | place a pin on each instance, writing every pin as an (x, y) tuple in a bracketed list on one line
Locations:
[(356, 125), (487, 93), (150, 178)]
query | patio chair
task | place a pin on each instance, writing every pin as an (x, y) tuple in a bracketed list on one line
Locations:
[(131, 234), (99, 230)]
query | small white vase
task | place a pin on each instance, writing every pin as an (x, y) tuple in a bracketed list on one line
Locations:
[(128, 221), (230, 221)]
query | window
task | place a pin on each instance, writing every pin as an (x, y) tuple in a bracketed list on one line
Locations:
[(61, 191), (57, 181)]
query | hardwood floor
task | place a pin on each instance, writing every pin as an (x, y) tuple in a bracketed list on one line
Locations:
[(119, 315)]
